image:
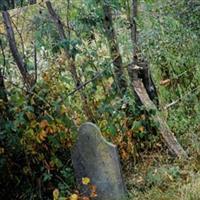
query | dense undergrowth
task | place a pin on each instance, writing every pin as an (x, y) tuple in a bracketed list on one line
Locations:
[(39, 127)]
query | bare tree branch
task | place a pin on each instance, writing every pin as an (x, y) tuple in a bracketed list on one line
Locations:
[(85, 84), (181, 98), (35, 62)]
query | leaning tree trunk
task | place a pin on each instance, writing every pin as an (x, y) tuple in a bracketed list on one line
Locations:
[(71, 61), (163, 128), (141, 83), (114, 48), (27, 78)]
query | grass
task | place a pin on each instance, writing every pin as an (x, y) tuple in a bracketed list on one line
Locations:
[(161, 179), (191, 191)]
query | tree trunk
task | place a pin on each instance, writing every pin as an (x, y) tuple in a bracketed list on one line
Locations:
[(3, 94), (27, 78), (3, 101), (114, 48), (167, 135), (141, 69), (144, 88), (132, 18)]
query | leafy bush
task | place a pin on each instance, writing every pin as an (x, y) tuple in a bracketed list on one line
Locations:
[(35, 146)]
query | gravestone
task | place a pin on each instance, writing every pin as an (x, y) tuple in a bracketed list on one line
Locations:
[(97, 159)]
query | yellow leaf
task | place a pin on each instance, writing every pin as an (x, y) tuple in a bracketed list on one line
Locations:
[(2, 150), (124, 154), (30, 115), (42, 135), (32, 101), (170, 177), (93, 189), (141, 128), (74, 197), (142, 117), (63, 109), (33, 124), (85, 198), (129, 133), (44, 124), (49, 130), (55, 194), (165, 82), (85, 181), (46, 77)]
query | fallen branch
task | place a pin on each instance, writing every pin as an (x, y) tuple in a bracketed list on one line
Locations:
[(145, 90), (167, 135)]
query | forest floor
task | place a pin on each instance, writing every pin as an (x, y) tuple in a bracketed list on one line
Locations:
[(159, 177)]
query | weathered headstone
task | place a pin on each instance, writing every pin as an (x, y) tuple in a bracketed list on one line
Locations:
[(97, 159)]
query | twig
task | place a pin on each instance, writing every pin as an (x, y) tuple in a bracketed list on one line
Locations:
[(35, 62), (181, 98), (28, 91), (86, 83)]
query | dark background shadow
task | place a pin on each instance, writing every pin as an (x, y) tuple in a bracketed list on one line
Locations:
[(12, 4)]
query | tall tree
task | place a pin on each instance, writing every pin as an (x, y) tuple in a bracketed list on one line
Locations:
[(114, 48)]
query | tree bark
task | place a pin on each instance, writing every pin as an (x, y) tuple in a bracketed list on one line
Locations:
[(167, 135), (3, 94), (145, 90), (143, 69), (114, 48), (4, 101), (28, 80), (133, 15)]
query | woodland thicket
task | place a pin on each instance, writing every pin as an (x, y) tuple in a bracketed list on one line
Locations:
[(70, 62)]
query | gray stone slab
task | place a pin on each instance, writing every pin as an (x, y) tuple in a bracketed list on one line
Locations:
[(97, 159)]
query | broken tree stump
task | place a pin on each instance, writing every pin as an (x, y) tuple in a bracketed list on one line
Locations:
[(167, 135)]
